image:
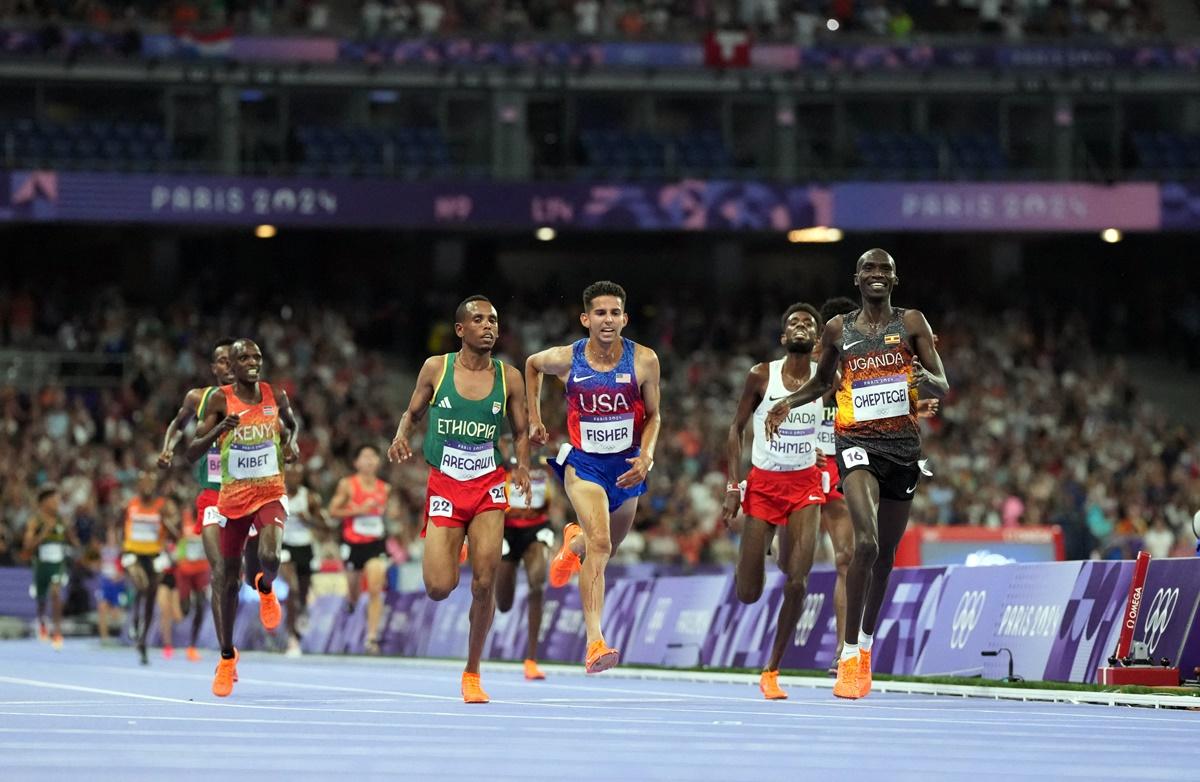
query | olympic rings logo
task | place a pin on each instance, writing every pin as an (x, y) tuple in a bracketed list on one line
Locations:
[(808, 617), (966, 616), (1162, 607)]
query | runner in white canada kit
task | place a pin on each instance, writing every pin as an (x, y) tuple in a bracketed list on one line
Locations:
[(883, 353), (783, 488)]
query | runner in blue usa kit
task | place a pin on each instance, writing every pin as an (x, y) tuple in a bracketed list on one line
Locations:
[(613, 422)]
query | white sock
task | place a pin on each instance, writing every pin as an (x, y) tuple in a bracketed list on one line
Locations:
[(864, 641), (849, 651)]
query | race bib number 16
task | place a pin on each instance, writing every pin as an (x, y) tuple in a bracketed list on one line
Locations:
[(853, 457)]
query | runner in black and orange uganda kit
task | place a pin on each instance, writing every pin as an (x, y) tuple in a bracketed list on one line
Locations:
[(886, 354)]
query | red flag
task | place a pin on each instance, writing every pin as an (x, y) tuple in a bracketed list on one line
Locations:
[(727, 49)]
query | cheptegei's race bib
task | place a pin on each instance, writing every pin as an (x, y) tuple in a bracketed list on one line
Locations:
[(368, 526), (466, 461), (880, 397), (606, 433), (247, 462)]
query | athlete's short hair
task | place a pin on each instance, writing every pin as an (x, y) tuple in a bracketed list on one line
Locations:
[(838, 305), (602, 288), (874, 254), (223, 342), (364, 447), (460, 312), (45, 490), (800, 306)]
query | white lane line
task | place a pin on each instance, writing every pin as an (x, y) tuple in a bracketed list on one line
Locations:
[(850, 712), (92, 690), (913, 740), (353, 667)]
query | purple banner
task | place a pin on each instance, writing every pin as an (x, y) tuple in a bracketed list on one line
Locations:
[(624, 602), (404, 623), (1180, 206), (350, 630), (15, 583), (1059, 619), (323, 612), (813, 641), (996, 207), (676, 620), (450, 625), (691, 205), (741, 634), (688, 205), (562, 623), (1018, 607), (441, 52), (510, 629), (906, 618), (1168, 611), (1090, 623)]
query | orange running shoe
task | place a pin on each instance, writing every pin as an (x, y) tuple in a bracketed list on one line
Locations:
[(566, 562), (462, 554), (769, 684), (43, 633), (846, 685), (57, 643), (226, 676), (268, 607), (168, 652), (471, 691), (864, 672), (601, 657), (532, 671), (193, 654)]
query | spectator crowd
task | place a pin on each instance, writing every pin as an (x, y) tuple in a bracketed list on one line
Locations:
[(801, 21), (1040, 427)]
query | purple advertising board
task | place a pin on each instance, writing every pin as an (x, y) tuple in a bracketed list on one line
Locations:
[(510, 629), (1168, 612), (461, 52), (813, 642), (1059, 619), (687, 205), (741, 634), (676, 620), (906, 618), (447, 632), (15, 583), (403, 626), (1018, 607), (684, 205), (1008, 206), (322, 613), (624, 602), (562, 625), (1090, 624)]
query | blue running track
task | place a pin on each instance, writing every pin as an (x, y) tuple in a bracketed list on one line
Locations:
[(93, 714)]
